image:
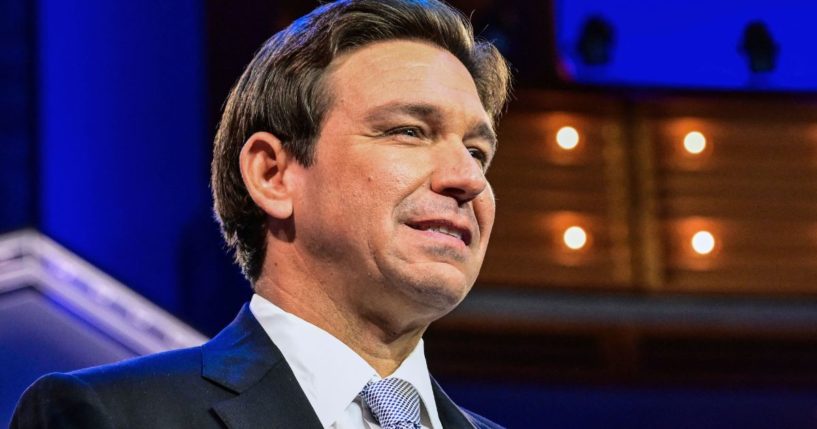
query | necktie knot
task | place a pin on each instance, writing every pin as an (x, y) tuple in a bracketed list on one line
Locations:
[(394, 403)]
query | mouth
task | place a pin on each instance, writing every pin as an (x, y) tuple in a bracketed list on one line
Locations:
[(444, 227)]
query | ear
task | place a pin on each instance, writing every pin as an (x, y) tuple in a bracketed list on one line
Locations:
[(264, 163)]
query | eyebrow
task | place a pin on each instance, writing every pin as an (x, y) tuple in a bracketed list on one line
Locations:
[(429, 113)]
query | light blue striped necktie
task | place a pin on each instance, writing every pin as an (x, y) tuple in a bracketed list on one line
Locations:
[(394, 403)]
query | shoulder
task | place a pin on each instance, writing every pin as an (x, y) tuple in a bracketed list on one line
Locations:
[(151, 383), (60, 400), (104, 395), (145, 370), (480, 422), (131, 373)]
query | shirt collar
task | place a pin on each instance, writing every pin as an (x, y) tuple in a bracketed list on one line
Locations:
[(329, 372)]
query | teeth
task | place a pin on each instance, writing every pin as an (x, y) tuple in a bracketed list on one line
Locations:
[(444, 230)]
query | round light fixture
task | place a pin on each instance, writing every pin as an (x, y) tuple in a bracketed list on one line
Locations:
[(575, 237), (695, 142), (567, 138), (703, 242)]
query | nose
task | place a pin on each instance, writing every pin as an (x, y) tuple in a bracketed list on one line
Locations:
[(457, 174)]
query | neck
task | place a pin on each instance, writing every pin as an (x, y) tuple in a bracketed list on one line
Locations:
[(382, 340)]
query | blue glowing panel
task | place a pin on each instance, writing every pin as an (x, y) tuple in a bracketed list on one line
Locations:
[(59, 313), (123, 150), (39, 337), (693, 44)]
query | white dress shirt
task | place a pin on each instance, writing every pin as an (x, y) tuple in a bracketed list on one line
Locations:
[(331, 374)]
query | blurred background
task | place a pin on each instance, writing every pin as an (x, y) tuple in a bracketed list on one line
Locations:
[(654, 259)]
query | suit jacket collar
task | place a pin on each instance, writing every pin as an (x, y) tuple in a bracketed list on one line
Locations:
[(451, 415), (242, 359)]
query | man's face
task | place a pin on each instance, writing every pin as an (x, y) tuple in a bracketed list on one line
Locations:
[(396, 211)]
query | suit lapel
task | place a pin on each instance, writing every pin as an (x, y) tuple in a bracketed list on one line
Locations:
[(243, 360), (276, 401), (451, 416)]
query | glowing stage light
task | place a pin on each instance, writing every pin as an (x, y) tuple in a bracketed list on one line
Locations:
[(567, 138), (575, 237), (703, 242), (694, 142)]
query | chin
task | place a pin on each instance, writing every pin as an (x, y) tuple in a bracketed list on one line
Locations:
[(436, 291)]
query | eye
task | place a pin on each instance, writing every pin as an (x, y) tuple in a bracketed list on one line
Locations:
[(408, 131), (479, 155)]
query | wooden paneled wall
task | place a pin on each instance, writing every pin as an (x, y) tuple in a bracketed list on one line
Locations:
[(754, 187), (641, 196), (542, 190)]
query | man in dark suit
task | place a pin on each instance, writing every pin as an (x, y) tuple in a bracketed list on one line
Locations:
[(349, 178)]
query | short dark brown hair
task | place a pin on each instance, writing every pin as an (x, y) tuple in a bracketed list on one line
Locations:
[(281, 92)]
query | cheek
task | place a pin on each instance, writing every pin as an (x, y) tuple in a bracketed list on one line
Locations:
[(395, 172), (368, 194), (485, 211)]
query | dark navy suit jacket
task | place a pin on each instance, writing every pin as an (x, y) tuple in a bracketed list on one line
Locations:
[(239, 379)]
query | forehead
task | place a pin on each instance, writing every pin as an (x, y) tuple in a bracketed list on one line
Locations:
[(403, 71)]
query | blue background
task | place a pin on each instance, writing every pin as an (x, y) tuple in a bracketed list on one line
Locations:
[(122, 134)]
